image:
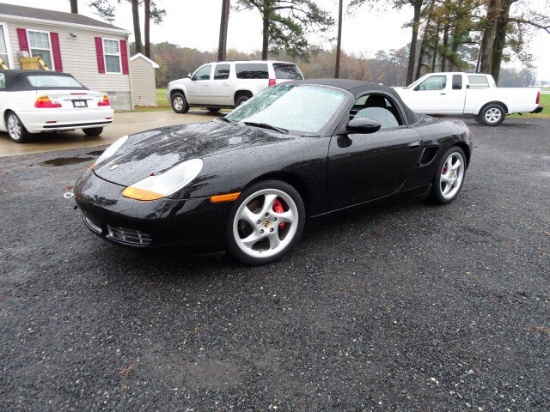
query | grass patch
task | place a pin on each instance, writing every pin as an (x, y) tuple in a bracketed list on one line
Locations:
[(162, 100)]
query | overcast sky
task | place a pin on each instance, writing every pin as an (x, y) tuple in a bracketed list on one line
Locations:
[(196, 23)]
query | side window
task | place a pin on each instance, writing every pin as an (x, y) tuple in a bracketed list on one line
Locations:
[(222, 72), (457, 82), (433, 83), (2, 82), (478, 80), (203, 73), (252, 71), (380, 108)]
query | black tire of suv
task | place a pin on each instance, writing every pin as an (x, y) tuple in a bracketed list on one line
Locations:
[(178, 102), (93, 131), (241, 100)]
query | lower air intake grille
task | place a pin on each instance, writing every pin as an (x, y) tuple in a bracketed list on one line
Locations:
[(127, 236)]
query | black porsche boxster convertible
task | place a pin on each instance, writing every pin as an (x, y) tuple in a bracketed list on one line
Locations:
[(245, 183)]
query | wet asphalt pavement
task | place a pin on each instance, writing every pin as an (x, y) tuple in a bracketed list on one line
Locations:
[(406, 306)]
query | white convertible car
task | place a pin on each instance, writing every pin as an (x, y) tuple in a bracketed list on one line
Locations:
[(40, 101)]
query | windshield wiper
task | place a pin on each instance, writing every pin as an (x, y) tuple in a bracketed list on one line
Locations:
[(267, 126)]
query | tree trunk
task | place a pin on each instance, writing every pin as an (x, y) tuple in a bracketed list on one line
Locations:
[(265, 39), (147, 27), (74, 6), (417, 4), (444, 49), (420, 62), (501, 28), (435, 46), (488, 39), (224, 23), (137, 30)]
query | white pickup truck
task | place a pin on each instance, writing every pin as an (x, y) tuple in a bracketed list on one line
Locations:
[(469, 94)]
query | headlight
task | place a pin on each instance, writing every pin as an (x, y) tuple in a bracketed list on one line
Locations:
[(111, 150), (158, 186)]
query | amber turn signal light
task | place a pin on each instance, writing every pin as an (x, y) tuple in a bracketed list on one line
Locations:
[(229, 197)]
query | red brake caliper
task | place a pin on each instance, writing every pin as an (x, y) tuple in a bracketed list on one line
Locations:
[(278, 208)]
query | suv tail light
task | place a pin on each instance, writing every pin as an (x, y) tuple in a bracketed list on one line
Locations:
[(538, 98), (44, 102), (272, 82), (104, 102)]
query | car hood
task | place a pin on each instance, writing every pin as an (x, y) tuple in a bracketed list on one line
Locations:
[(155, 151)]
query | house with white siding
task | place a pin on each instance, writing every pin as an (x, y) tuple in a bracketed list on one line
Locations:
[(94, 52)]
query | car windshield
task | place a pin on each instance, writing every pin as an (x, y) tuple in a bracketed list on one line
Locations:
[(301, 108)]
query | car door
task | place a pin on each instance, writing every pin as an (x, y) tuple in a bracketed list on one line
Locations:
[(198, 89), (364, 167), (455, 95), (220, 92), (430, 96)]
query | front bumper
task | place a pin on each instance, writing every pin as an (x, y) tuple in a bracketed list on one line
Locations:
[(195, 224)]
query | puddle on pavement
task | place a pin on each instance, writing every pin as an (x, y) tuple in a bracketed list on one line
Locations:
[(65, 161)]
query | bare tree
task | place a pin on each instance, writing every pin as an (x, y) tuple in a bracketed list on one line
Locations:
[(151, 12), (285, 23)]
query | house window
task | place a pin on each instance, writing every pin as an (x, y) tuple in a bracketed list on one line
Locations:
[(39, 44), (4, 52), (111, 49)]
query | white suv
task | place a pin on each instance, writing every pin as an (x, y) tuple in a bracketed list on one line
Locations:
[(228, 84)]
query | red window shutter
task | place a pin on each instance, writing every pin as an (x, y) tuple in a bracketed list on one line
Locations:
[(124, 56), (99, 54), (23, 42), (54, 38)]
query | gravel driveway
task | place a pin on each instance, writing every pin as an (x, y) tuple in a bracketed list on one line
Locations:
[(406, 307)]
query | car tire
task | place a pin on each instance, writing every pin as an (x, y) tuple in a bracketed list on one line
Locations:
[(449, 176), (16, 130), (178, 102), (213, 109), (240, 100), (93, 131), (265, 222), (491, 115)]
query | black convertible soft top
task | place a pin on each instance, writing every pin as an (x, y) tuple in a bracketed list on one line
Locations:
[(359, 88), (18, 80)]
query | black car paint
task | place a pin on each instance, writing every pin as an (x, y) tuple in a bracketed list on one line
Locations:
[(331, 171)]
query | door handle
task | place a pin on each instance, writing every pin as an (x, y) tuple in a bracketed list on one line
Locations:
[(414, 145), (442, 94)]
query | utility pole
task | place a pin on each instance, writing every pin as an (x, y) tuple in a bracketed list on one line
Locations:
[(224, 23), (339, 41)]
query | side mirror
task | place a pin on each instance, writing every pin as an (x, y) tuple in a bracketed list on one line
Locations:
[(190, 75), (363, 125)]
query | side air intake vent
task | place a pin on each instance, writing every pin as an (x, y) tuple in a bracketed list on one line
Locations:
[(428, 155)]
